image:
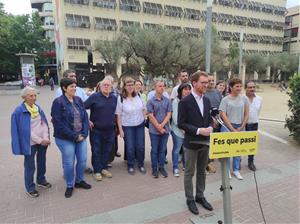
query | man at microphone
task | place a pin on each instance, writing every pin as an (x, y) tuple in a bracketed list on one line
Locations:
[(195, 119)]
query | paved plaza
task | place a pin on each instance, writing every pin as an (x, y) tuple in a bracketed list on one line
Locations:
[(142, 199)]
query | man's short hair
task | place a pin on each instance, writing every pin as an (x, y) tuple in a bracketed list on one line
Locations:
[(67, 72), (247, 82), (196, 76)]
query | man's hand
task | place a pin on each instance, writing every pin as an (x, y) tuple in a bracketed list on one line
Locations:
[(45, 142), (80, 138), (205, 131), (91, 124), (121, 133)]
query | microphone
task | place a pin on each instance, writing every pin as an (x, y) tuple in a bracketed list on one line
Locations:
[(214, 112)]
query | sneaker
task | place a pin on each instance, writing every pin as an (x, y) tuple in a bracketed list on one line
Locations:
[(183, 168), (229, 175), (163, 172), (118, 154), (45, 185), (142, 170), (33, 194), (166, 161), (109, 165), (69, 192), (210, 168), (106, 173), (155, 173), (238, 175), (131, 171), (82, 184), (98, 176), (88, 170), (176, 173)]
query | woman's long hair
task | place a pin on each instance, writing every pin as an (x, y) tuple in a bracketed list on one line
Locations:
[(124, 93)]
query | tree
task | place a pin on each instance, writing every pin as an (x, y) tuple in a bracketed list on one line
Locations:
[(18, 34), (293, 122), (255, 63)]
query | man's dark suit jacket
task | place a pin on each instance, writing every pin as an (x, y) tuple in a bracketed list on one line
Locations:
[(190, 119)]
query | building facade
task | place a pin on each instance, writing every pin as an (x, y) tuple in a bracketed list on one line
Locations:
[(80, 22), (45, 10), (291, 33)]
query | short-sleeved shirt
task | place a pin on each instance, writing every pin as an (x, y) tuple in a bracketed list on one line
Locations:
[(151, 94), (159, 108), (214, 97), (131, 111), (234, 108)]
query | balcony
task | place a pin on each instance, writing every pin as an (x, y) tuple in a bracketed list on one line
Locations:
[(45, 14), (37, 4), (48, 27)]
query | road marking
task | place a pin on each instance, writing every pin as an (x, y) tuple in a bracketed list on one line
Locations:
[(273, 137), (174, 203)]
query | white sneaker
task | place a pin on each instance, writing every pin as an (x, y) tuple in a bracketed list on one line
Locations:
[(176, 173), (98, 176), (238, 175), (229, 175)]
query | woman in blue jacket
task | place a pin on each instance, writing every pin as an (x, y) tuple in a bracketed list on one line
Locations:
[(30, 137), (70, 122)]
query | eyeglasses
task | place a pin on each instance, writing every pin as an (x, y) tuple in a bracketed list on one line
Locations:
[(204, 83)]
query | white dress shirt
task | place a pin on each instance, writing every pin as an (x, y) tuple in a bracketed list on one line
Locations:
[(254, 109), (199, 100)]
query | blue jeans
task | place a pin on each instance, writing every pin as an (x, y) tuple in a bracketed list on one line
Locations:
[(177, 143), (69, 150), (237, 159), (158, 150), (29, 166), (251, 127), (135, 144), (101, 146)]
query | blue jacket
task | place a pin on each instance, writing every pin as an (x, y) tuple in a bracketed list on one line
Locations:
[(21, 129), (63, 118)]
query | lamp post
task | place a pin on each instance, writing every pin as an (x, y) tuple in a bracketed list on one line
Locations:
[(208, 36), (241, 54)]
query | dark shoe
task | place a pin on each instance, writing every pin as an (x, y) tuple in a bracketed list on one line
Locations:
[(69, 192), (155, 173), (163, 172), (109, 165), (118, 154), (252, 166), (45, 185), (33, 194), (82, 184), (204, 203), (131, 171), (192, 206), (166, 161), (142, 170), (88, 171)]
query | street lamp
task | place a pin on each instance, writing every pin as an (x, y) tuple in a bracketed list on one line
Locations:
[(241, 54), (208, 36)]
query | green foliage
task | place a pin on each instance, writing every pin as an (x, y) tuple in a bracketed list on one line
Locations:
[(255, 63), (18, 33), (293, 122)]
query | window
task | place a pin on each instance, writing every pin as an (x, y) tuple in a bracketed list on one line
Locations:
[(194, 32), (265, 39), (192, 14), (224, 35), (173, 11), (78, 43), (151, 26), (78, 2), (49, 21), (47, 7), (130, 5), (294, 32), (266, 24), (252, 38), (241, 4), (254, 6), (278, 26), (126, 24), (50, 34), (279, 11), (225, 18), (77, 21), (174, 28), (109, 4), (253, 22), (240, 20), (152, 8), (105, 24), (267, 8), (228, 3)]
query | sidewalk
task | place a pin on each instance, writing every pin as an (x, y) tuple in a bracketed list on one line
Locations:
[(142, 199)]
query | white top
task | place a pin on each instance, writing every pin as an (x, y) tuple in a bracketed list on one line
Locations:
[(199, 100), (131, 111), (254, 109), (174, 123), (79, 92)]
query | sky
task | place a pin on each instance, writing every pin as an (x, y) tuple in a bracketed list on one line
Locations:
[(18, 7)]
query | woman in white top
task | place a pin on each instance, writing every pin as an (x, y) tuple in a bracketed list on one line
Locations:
[(234, 110), (131, 112)]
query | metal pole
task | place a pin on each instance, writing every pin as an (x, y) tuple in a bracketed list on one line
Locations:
[(241, 54), (226, 192), (208, 35)]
